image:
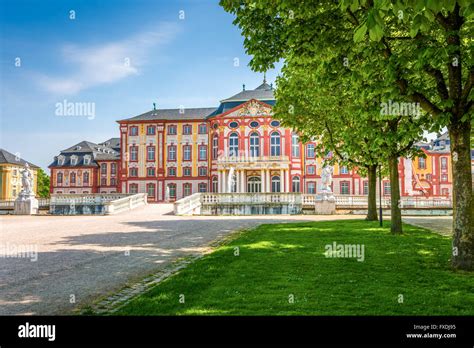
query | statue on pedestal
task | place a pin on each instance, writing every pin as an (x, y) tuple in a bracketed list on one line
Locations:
[(325, 203), (26, 203)]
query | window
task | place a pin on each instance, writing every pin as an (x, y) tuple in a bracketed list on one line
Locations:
[(87, 160), (365, 189), (444, 177), (73, 178), (275, 123), (444, 163), (150, 153), (202, 171), (60, 178), (276, 184), (73, 160), (202, 152), (186, 152), (103, 182), (233, 144), (215, 147), (187, 171), (103, 169), (275, 149), (445, 192), (172, 190), (214, 184), (172, 130), (113, 168), (150, 190), (428, 177), (187, 129), (133, 188), (202, 187), (386, 188), (133, 153), (344, 188), (172, 171), (344, 170), (202, 128), (172, 153), (310, 151), (61, 160), (150, 171), (295, 184), (254, 145), (311, 187), (113, 182), (133, 171), (150, 130), (85, 177), (421, 163), (233, 124), (311, 170), (133, 131), (254, 124), (295, 145), (187, 189)]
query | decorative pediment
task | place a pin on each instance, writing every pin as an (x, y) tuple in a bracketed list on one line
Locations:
[(252, 108)]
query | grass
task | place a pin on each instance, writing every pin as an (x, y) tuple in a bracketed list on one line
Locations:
[(278, 261)]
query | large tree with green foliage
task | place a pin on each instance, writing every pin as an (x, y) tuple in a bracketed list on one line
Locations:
[(421, 48)]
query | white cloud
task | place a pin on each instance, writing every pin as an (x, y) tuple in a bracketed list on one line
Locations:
[(105, 63)]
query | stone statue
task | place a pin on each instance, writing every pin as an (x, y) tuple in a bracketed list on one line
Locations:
[(231, 180), (26, 182), (326, 178)]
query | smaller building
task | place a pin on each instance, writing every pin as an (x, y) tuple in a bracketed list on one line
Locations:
[(87, 168), (10, 175)]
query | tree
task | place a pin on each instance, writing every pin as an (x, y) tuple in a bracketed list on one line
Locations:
[(417, 50), (43, 183)]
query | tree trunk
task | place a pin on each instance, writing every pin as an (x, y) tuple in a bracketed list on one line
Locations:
[(372, 199), (396, 214), (463, 205)]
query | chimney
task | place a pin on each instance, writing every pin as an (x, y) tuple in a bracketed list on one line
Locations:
[(154, 106), (243, 87)]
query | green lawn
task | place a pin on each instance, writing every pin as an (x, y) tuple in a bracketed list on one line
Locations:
[(277, 261)]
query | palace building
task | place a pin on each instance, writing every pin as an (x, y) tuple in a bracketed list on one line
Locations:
[(173, 153), (11, 167)]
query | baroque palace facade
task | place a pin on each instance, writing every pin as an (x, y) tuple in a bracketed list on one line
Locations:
[(173, 153)]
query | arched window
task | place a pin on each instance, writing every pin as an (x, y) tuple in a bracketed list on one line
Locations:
[(275, 141), (215, 185), (254, 184), (295, 184), (254, 145), (233, 144), (276, 184), (60, 178), (215, 147)]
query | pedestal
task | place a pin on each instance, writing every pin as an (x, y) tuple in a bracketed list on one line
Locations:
[(26, 206), (325, 204)]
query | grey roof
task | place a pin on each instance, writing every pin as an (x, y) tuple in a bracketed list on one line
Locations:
[(262, 92), (173, 114), (97, 152), (8, 157), (113, 143)]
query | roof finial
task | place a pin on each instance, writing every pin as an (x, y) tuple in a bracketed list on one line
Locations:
[(265, 77)]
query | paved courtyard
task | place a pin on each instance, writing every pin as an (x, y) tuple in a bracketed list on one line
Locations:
[(83, 257)]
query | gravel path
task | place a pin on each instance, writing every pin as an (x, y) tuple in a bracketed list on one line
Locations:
[(81, 258)]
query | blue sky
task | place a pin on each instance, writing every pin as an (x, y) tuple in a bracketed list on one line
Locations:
[(122, 55)]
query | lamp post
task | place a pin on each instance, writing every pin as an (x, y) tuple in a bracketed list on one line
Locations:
[(380, 196)]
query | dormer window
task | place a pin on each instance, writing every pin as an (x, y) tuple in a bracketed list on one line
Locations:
[(78, 147), (73, 160), (87, 160), (61, 160)]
